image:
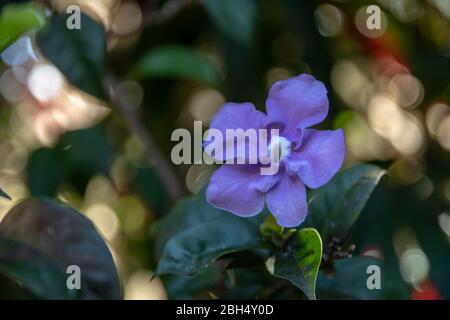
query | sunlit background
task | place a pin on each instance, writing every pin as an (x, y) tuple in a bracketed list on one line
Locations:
[(389, 89)]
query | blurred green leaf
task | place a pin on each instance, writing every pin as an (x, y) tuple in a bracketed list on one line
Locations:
[(30, 273), (350, 281), (198, 234), (45, 172), (446, 94), (149, 186), (87, 150), (85, 153), (177, 62), (299, 261), (78, 54), (78, 156), (334, 208), (235, 18), (16, 19), (67, 238)]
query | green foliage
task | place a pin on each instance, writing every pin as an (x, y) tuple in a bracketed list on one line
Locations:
[(299, 261), (16, 19), (78, 156), (86, 152), (334, 208), (34, 240), (45, 172), (188, 286), (201, 251), (350, 281), (235, 18), (206, 235), (33, 274), (79, 54), (176, 62), (199, 246), (150, 188), (195, 235)]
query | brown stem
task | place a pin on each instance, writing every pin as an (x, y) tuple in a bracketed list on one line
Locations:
[(154, 155)]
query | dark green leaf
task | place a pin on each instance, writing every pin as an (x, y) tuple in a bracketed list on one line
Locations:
[(30, 273), (176, 62), (78, 156), (149, 186), (45, 172), (350, 281), (299, 262), (196, 234), (187, 287), (16, 19), (79, 54), (199, 246), (187, 213), (245, 284), (334, 208), (68, 238), (85, 153), (235, 18)]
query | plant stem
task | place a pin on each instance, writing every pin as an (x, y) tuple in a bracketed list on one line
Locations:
[(154, 155)]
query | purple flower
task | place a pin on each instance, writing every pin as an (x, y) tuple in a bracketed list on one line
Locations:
[(306, 156)]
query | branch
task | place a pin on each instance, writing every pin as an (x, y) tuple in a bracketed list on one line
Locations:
[(167, 12), (152, 152)]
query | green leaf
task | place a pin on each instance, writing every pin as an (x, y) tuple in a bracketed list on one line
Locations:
[(85, 153), (78, 156), (245, 284), (334, 208), (235, 18), (187, 287), (16, 19), (270, 227), (350, 281), (31, 272), (149, 186), (187, 213), (199, 246), (299, 262), (78, 54), (177, 62), (198, 234), (67, 238), (45, 172)]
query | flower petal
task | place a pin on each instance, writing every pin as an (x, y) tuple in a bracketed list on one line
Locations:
[(287, 201), (239, 189), (298, 102), (235, 116), (319, 157)]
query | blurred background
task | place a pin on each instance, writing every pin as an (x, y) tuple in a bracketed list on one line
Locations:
[(177, 61)]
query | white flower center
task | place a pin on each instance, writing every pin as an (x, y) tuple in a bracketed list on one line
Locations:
[(279, 148)]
